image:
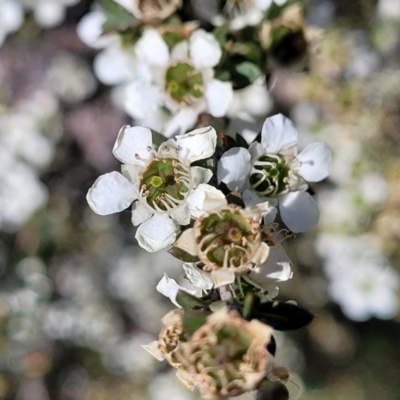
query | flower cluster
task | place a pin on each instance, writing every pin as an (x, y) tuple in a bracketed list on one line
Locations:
[(226, 235)]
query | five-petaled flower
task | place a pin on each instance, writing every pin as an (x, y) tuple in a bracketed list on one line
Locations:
[(273, 170), (165, 189)]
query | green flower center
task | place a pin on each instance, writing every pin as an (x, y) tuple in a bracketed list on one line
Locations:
[(226, 239), (184, 83), (269, 175), (165, 183)]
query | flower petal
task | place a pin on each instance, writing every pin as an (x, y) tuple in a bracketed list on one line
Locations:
[(181, 214), (197, 277), (204, 49), (200, 175), (169, 288), (142, 99), (197, 144), (219, 96), (152, 48), (183, 120), (222, 277), (234, 167), (278, 134), (299, 211), (205, 199), (140, 213), (315, 162), (154, 350), (111, 193), (187, 242), (132, 142), (156, 233)]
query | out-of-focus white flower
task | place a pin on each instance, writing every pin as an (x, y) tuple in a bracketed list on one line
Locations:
[(21, 194), (389, 9), (240, 14), (167, 191), (150, 9), (252, 101), (180, 80), (70, 78), (361, 280), (275, 171), (11, 17), (48, 13)]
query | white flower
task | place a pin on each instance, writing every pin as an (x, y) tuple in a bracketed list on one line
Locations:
[(48, 13), (150, 9), (180, 80), (165, 188), (11, 17), (244, 13), (274, 171)]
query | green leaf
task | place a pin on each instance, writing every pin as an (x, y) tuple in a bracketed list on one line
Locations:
[(117, 17), (183, 255), (189, 302), (157, 138), (282, 316), (221, 34), (234, 199), (172, 38), (249, 70), (241, 141), (193, 320), (205, 163)]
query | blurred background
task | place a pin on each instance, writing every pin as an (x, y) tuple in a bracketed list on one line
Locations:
[(78, 295)]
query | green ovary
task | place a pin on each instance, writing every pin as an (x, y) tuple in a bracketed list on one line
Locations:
[(184, 83), (269, 175), (165, 183)]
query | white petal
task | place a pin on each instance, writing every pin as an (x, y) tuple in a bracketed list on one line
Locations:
[(181, 214), (278, 134), (262, 254), (251, 198), (156, 233), (151, 48), (187, 242), (205, 50), (154, 350), (140, 213), (180, 51), (197, 277), (299, 211), (181, 122), (277, 268), (169, 288), (205, 199), (219, 96), (234, 167), (142, 99), (132, 142), (315, 162), (200, 175), (198, 144), (49, 13), (113, 66), (111, 193), (222, 277)]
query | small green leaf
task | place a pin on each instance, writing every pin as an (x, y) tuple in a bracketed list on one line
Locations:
[(183, 255), (205, 163), (282, 316), (157, 138), (249, 70), (193, 320), (189, 302), (172, 38), (241, 141), (117, 17), (221, 34), (234, 199)]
